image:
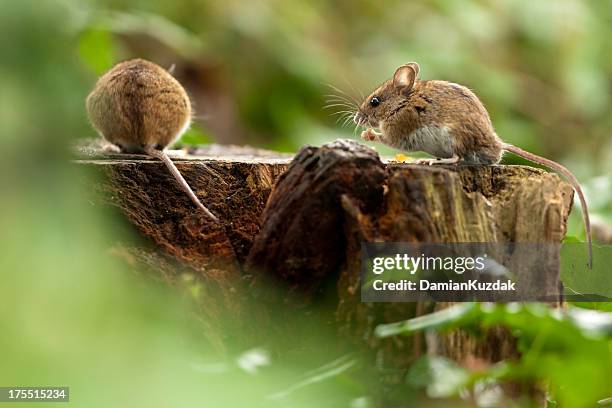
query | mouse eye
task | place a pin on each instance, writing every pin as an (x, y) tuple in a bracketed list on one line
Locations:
[(375, 101)]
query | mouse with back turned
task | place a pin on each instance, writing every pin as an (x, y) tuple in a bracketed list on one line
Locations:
[(140, 108), (445, 120)]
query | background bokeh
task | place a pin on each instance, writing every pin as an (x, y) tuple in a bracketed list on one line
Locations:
[(259, 73)]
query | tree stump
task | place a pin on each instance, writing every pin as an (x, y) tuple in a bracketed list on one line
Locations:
[(179, 243), (302, 222)]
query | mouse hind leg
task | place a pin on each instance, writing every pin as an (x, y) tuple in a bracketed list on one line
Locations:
[(450, 160), (131, 149)]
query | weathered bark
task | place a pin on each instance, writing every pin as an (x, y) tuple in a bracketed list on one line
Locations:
[(325, 203), (233, 182), (302, 241), (181, 245), (421, 204), (453, 204)]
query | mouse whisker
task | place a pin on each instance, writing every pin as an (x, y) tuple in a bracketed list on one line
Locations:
[(342, 113), (340, 100), (352, 99), (348, 120), (345, 119), (354, 89), (339, 95), (342, 92), (335, 99), (356, 128), (332, 105)]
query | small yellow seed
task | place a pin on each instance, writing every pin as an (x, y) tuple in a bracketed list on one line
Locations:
[(402, 158)]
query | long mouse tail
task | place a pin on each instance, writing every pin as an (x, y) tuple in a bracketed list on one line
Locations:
[(163, 156), (573, 181)]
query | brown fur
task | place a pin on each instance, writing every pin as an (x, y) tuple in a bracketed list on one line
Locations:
[(139, 107), (138, 104), (433, 103), (446, 120)]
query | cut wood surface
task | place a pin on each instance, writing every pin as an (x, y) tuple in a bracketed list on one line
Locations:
[(301, 221), (233, 182)]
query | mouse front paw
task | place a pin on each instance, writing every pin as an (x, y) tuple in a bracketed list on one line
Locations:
[(110, 148), (369, 135)]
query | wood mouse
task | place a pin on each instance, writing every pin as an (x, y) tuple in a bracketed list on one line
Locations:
[(446, 120), (139, 107)]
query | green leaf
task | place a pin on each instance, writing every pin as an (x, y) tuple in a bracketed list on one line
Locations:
[(432, 320), (591, 321), (440, 376)]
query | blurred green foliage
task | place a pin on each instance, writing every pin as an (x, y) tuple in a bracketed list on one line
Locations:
[(258, 72), (542, 68), (569, 350)]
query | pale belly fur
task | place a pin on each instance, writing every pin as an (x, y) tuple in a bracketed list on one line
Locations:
[(434, 140)]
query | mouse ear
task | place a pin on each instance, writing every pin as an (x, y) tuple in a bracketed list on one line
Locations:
[(405, 76)]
